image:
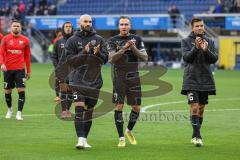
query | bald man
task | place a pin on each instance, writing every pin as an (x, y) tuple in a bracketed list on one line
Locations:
[(85, 53)]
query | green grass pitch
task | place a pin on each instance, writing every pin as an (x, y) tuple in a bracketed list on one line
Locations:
[(163, 131)]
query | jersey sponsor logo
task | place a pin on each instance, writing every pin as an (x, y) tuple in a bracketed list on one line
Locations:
[(14, 51)]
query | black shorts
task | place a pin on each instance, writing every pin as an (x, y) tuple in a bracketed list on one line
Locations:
[(128, 86), (14, 78), (85, 94), (197, 97)]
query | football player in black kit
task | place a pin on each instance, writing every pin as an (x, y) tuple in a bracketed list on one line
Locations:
[(199, 53), (85, 53), (58, 58), (125, 51)]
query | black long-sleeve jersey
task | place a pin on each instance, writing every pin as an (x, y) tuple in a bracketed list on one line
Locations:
[(128, 62), (83, 70)]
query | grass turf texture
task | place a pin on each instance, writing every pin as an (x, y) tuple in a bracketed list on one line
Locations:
[(42, 136)]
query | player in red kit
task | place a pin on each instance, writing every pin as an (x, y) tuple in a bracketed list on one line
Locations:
[(15, 55)]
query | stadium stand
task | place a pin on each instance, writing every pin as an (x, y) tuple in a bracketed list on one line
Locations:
[(187, 7), (77, 7)]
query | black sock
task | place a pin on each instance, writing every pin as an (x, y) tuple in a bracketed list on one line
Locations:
[(69, 101), (200, 121), (78, 121), (87, 121), (63, 97), (21, 100), (132, 119), (196, 126), (119, 122), (8, 99)]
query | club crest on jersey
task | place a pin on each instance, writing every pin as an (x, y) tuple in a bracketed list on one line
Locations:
[(62, 45), (93, 42), (20, 42), (134, 40)]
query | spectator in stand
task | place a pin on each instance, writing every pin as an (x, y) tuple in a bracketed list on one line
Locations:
[(7, 10), (45, 10), (52, 10), (15, 3), (40, 11), (2, 12), (16, 13), (218, 8), (174, 15), (236, 7), (31, 8), (42, 3), (227, 5), (22, 7)]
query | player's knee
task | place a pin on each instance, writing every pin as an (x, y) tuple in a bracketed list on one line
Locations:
[(79, 113), (119, 107), (20, 89), (8, 91), (194, 109), (136, 108), (77, 104), (201, 111), (200, 114)]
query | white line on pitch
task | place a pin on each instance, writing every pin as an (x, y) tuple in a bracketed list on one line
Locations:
[(179, 102)]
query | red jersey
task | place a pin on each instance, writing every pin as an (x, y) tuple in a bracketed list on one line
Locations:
[(15, 52)]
